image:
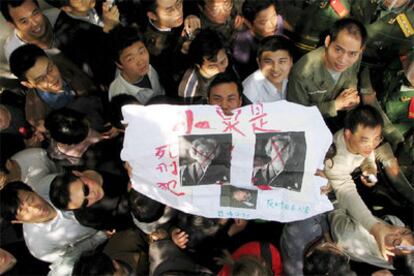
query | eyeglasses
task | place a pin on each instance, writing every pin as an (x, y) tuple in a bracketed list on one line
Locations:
[(85, 202), (376, 141)]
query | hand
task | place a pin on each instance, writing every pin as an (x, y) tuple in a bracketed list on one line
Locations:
[(110, 16), (35, 141), (320, 173), (237, 226), (347, 99), (191, 24), (111, 133), (128, 168), (382, 272), (180, 238), (109, 234), (369, 179), (380, 230)]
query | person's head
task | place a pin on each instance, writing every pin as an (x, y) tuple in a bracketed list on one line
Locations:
[(27, 18), (164, 13), (20, 204), (362, 130), (204, 150), (241, 195), (96, 263), (129, 53), (398, 239), (225, 91), (70, 192), (9, 169), (75, 7), (217, 11), (116, 104), (275, 59), (67, 126), (7, 261), (344, 44), (261, 15), (279, 146), (208, 53), (35, 69)]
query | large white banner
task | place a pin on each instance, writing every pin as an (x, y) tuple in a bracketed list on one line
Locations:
[(258, 163)]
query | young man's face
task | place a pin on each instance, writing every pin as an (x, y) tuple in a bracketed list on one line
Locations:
[(134, 62), (226, 96), (204, 154), (276, 66), (211, 68), (29, 21), (33, 208), (343, 52), (218, 11), (84, 192), (81, 6), (45, 76), (364, 140), (265, 22), (168, 14)]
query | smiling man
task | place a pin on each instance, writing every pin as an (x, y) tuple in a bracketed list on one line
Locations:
[(327, 76)]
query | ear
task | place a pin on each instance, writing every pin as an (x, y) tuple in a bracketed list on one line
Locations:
[(327, 40), (258, 62), (9, 164), (347, 133), (119, 66), (27, 84), (16, 222), (152, 16)]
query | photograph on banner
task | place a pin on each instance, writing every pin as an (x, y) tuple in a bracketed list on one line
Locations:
[(279, 160), (231, 196), (205, 159)]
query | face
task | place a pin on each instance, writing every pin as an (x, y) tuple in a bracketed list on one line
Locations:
[(226, 96), (204, 153), (33, 208), (265, 22), (169, 14), (402, 237), (211, 68), (343, 52), (81, 7), (7, 261), (364, 140), (275, 66), (134, 62), (84, 192), (29, 21), (5, 118), (218, 11), (45, 76), (240, 195)]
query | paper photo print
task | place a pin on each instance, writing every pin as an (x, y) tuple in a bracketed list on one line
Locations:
[(236, 197)]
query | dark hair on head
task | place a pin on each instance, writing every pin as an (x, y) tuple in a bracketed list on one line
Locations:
[(58, 3), (144, 208), (10, 144), (123, 37), (149, 6), (404, 264), (205, 45), (9, 199), (226, 78), (24, 58), (352, 26), (248, 265), (274, 43), (5, 6), (59, 190), (67, 126), (251, 8), (93, 263), (324, 262), (115, 107), (364, 115)]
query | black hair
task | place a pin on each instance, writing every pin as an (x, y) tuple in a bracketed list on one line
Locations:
[(58, 3), (93, 263), (24, 58), (115, 106), (144, 208), (123, 37), (324, 262), (5, 6), (352, 26), (149, 6), (250, 265), (225, 78), (404, 264), (59, 190), (274, 43), (9, 199), (364, 115), (67, 126), (251, 8), (205, 45), (10, 144)]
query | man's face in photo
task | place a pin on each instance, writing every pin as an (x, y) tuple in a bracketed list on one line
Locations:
[(169, 13), (241, 195), (210, 68), (33, 208), (364, 140), (134, 62), (218, 11), (84, 192), (45, 76), (204, 153), (226, 96)]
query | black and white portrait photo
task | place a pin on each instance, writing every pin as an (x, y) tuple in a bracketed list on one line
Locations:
[(232, 196), (279, 160), (205, 159)]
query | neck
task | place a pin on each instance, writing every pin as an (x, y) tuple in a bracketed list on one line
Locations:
[(131, 79), (44, 42), (79, 14)]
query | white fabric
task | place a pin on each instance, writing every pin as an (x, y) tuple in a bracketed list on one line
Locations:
[(143, 95), (163, 126), (338, 171), (258, 89)]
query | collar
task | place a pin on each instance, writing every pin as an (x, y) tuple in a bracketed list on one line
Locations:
[(157, 28)]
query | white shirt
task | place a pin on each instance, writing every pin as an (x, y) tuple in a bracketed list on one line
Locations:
[(258, 89), (143, 95)]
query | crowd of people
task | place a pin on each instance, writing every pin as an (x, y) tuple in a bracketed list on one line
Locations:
[(66, 202)]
